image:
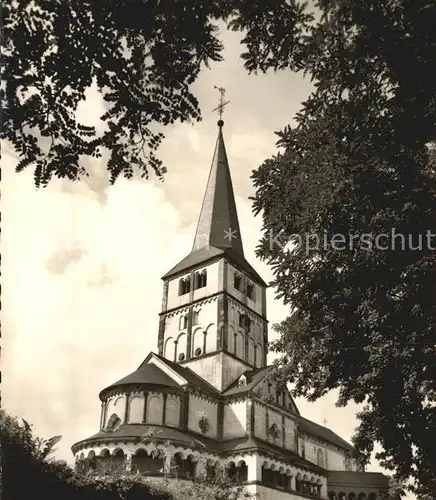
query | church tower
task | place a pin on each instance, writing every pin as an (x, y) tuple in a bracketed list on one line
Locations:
[(207, 401), (213, 317)]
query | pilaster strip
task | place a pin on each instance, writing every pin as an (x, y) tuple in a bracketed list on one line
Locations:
[(144, 417), (188, 352), (164, 409), (184, 410), (104, 413), (267, 423), (283, 431), (225, 275), (220, 420), (161, 335), (126, 409)]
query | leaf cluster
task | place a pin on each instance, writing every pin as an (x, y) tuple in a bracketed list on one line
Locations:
[(360, 161), (143, 55)]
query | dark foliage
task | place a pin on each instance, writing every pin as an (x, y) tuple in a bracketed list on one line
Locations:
[(360, 162), (144, 56)]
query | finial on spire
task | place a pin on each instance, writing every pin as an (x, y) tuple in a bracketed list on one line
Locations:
[(221, 105)]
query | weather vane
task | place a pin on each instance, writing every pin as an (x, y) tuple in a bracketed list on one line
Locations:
[(222, 103)]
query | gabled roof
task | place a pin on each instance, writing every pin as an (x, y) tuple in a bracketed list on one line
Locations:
[(319, 431), (190, 376), (156, 370), (253, 377)]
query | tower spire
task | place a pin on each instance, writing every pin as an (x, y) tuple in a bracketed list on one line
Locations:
[(218, 224)]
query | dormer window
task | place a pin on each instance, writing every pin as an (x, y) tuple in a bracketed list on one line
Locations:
[(183, 322), (184, 285), (242, 381), (201, 279), (237, 280)]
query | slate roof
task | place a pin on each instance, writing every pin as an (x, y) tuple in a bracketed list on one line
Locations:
[(338, 478), (323, 432), (218, 233), (137, 432), (253, 443), (145, 374), (218, 212)]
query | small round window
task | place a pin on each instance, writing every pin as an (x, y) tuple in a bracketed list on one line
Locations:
[(197, 351), (181, 356)]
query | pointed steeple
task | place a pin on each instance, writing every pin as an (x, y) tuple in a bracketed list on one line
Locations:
[(218, 224)]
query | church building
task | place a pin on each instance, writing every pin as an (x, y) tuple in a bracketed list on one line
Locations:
[(207, 400)]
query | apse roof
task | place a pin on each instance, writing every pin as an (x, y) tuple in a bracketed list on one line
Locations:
[(145, 374)]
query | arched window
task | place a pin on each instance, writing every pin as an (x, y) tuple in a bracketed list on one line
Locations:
[(181, 286), (195, 318), (241, 320), (201, 279), (320, 458), (183, 322), (274, 432), (248, 324), (113, 423), (237, 279), (250, 291), (184, 285), (245, 322)]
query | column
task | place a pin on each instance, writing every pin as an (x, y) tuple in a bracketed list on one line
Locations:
[(200, 470), (254, 468), (168, 462), (128, 461), (324, 488), (292, 483)]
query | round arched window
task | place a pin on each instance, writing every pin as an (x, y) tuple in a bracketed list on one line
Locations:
[(197, 351), (181, 356)]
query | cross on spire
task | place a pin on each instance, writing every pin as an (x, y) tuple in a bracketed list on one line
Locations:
[(222, 104), (325, 422)]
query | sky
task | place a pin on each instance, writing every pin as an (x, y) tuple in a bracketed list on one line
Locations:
[(82, 262)]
